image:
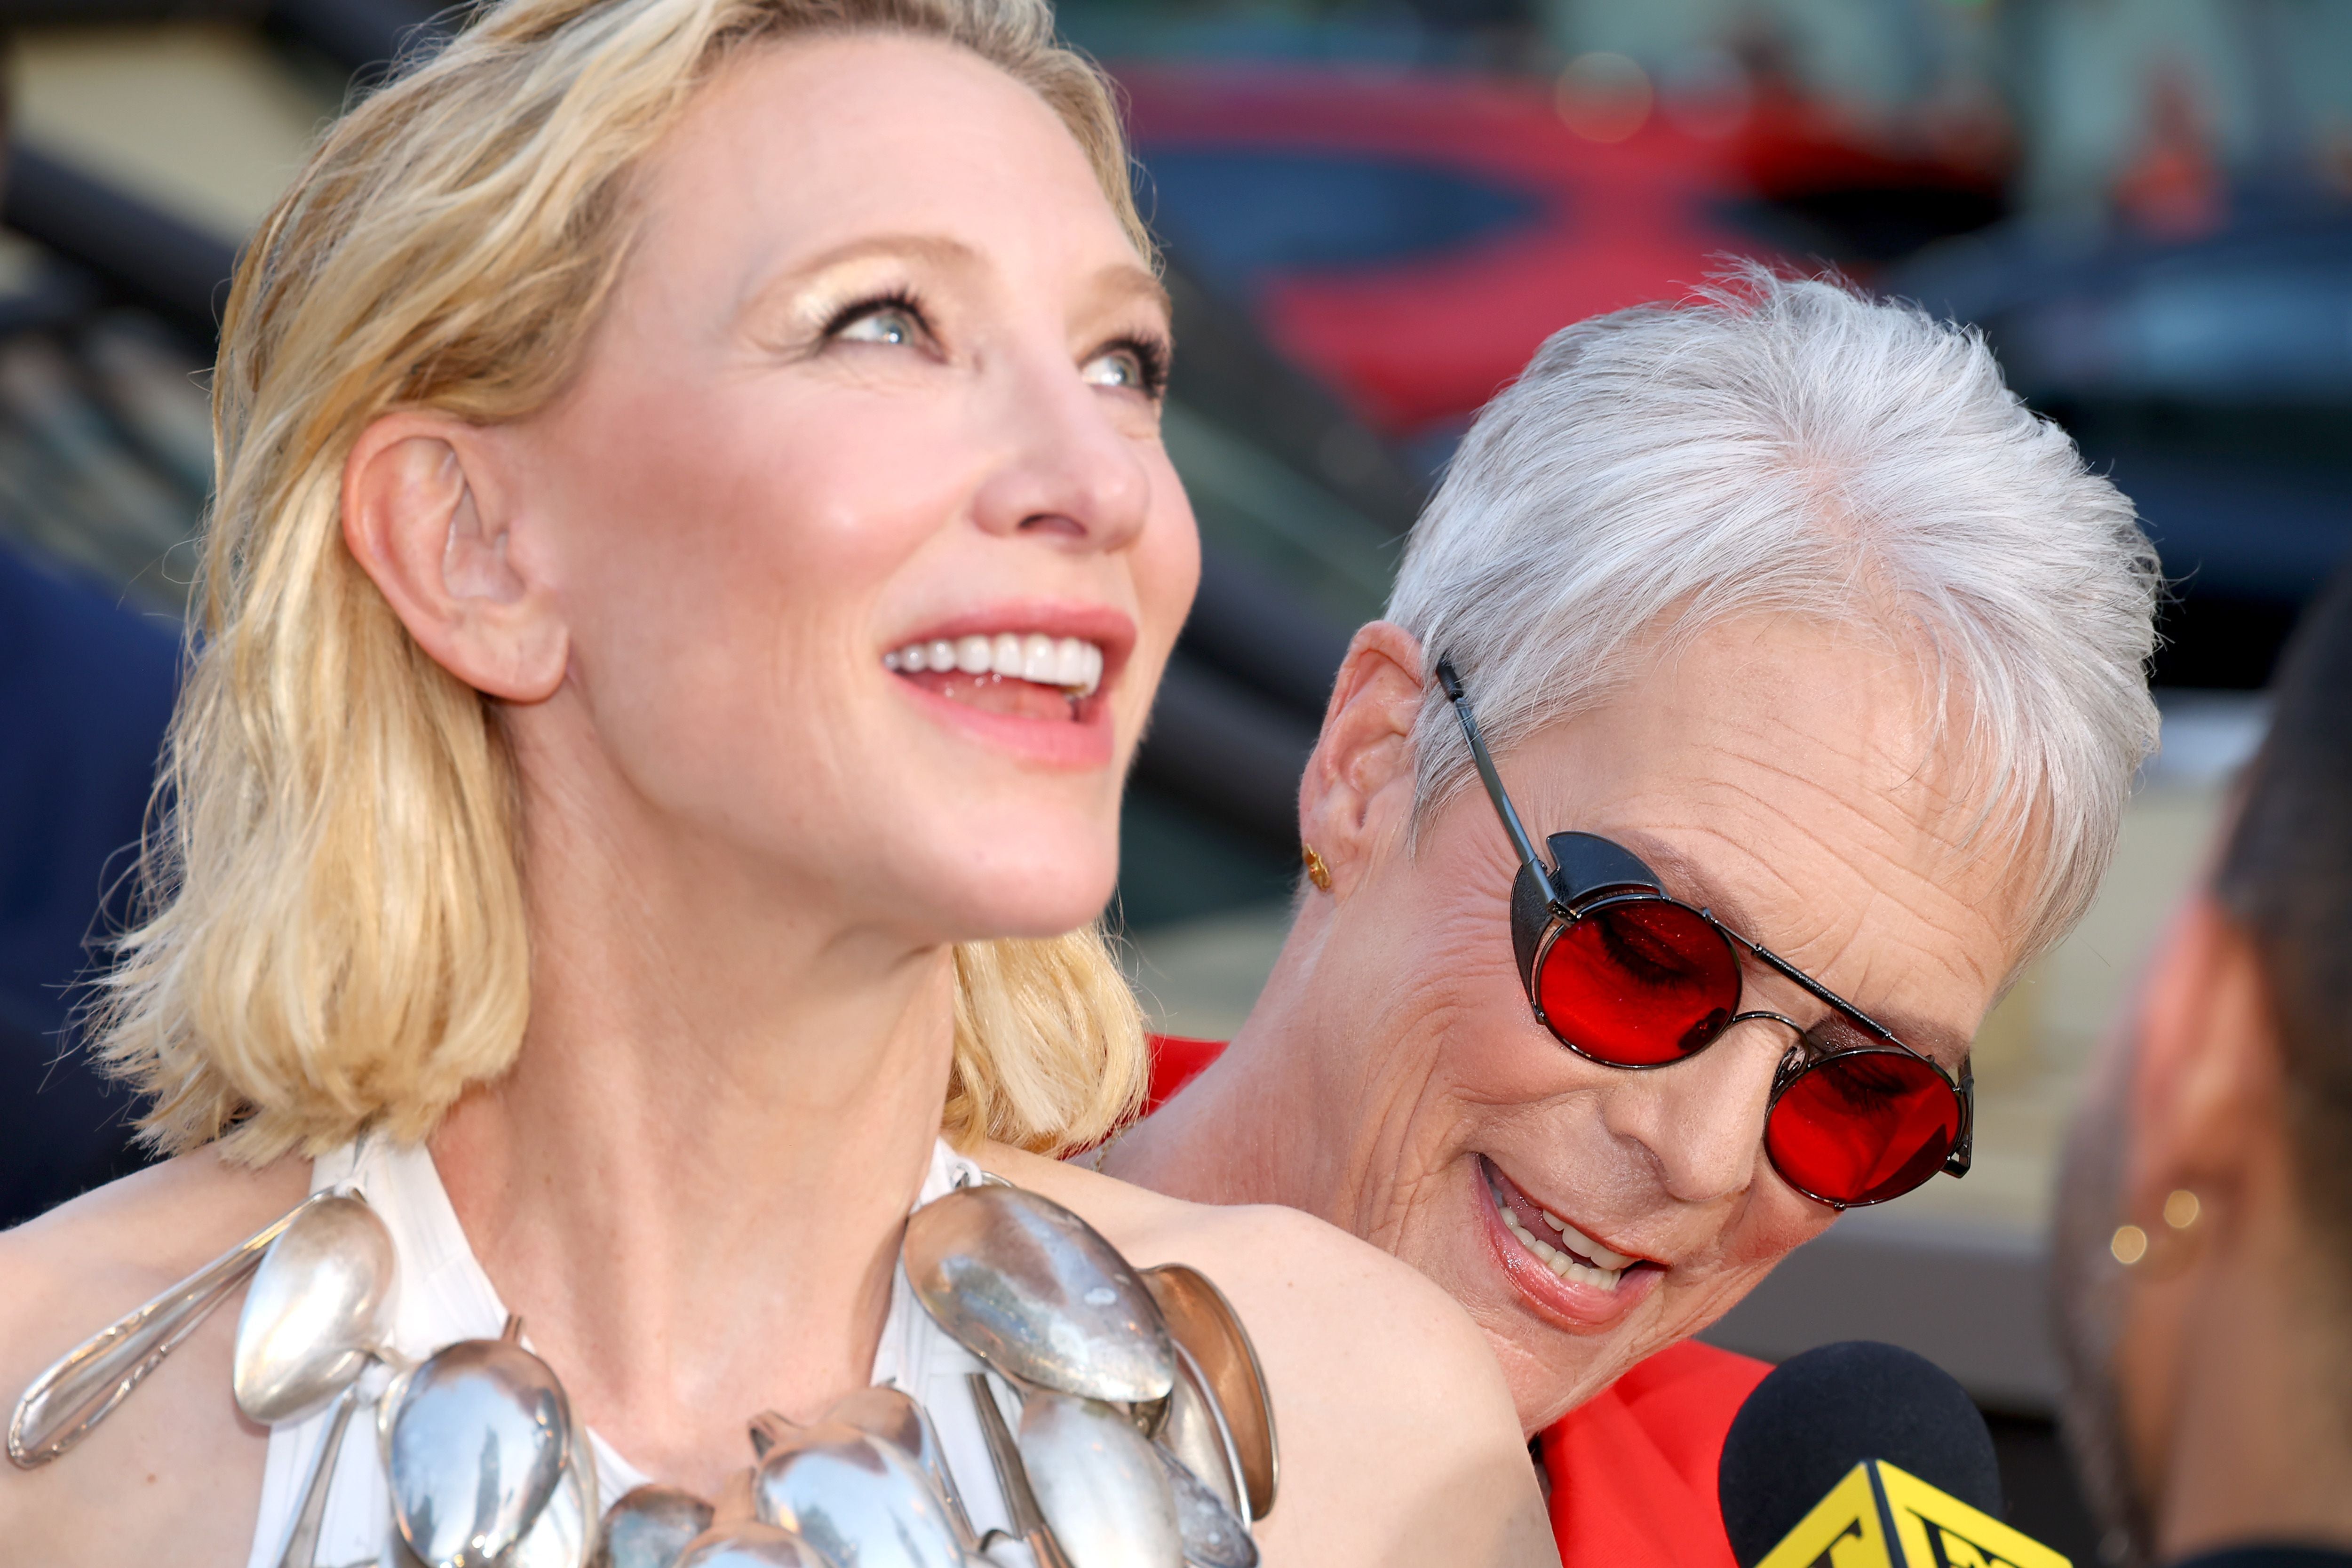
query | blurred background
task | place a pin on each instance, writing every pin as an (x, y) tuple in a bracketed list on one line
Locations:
[(1373, 211)]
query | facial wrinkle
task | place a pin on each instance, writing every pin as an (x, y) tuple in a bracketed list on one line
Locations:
[(1874, 910), (1388, 1169)]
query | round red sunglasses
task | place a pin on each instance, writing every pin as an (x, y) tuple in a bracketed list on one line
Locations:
[(1626, 976)]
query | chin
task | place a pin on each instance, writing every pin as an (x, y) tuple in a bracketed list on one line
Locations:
[(1011, 893)]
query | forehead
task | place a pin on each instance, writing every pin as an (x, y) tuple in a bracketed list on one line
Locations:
[(805, 145), (1798, 780)]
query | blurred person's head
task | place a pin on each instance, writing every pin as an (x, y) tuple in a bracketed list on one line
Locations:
[(1783, 592), (2204, 1247), (615, 418)]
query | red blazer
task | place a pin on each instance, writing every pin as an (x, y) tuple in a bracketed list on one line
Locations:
[(1633, 1468)]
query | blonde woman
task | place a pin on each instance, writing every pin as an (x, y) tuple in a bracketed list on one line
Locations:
[(579, 825)]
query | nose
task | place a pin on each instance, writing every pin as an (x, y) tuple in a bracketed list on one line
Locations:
[(1071, 469), (1702, 1121)]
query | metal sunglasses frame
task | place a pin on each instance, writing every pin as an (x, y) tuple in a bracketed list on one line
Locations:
[(1563, 907)]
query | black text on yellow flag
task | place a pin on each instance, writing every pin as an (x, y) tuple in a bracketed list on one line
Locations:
[(1880, 1516)]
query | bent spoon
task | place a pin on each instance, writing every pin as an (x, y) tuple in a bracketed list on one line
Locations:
[(1037, 1294), (1200, 1319), (479, 1442), (894, 1417), (317, 1314), (860, 1501), (66, 1403), (650, 1527)]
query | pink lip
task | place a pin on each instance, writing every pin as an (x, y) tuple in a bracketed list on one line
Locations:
[(1566, 1304), (1081, 744)]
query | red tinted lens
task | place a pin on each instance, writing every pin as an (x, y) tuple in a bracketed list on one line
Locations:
[(1639, 983), (1863, 1126)]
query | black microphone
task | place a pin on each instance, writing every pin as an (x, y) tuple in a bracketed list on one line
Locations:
[(1861, 1454)]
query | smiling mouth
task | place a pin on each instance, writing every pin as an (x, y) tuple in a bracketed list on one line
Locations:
[(1022, 674), (1558, 1245)]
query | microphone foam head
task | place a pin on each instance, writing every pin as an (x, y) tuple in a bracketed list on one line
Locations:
[(1817, 1415)]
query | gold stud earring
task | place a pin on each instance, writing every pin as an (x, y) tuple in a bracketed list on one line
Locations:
[(1317, 872)]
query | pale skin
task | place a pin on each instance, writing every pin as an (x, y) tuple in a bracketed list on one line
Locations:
[(853, 386), (1777, 771), (2231, 1362)]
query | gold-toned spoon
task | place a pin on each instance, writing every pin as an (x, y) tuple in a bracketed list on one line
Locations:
[(1205, 1324)]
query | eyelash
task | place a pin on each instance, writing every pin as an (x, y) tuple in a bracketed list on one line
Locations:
[(1151, 354), (897, 299), (1151, 357)]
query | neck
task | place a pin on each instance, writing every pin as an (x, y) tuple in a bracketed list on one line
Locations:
[(693, 1181), (1232, 1136), (2261, 1446)]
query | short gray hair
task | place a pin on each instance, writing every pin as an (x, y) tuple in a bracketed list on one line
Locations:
[(1789, 446)]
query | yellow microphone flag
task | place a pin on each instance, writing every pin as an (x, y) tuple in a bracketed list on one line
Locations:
[(1881, 1516)]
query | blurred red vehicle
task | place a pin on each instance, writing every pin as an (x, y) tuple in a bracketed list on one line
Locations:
[(1412, 236)]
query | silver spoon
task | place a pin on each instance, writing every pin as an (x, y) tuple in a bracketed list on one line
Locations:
[(1012, 1478), (747, 1543), (894, 1417), (860, 1501), (1037, 1293), (317, 1314), (1194, 1432), (1214, 1535), (64, 1404), (581, 1465), (478, 1446), (650, 1527), (1100, 1483), (1205, 1324)]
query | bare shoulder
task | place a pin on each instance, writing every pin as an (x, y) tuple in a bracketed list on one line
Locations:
[(175, 1473), (1295, 1265), (1400, 1443)]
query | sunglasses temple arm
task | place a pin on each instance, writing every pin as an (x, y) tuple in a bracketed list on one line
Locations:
[(1452, 685)]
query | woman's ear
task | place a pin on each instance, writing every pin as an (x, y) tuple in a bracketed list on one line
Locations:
[(2208, 1085), (427, 518), (1359, 786)]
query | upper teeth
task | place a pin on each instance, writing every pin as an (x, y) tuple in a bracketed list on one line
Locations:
[(1580, 1259), (1584, 1246), (1071, 663)]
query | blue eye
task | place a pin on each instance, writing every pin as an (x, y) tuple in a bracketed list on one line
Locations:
[(881, 324), (1121, 367), (1133, 366)]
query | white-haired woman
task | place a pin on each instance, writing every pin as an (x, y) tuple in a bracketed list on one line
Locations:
[(693, 555), (1823, 657)]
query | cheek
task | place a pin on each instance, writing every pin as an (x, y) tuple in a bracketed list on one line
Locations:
[(1773, 1223), (720, 539), (1442, 965), (1163, 570), (1439, 977), (1167, 557)]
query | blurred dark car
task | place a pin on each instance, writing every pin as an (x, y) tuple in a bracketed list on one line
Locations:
[(2213, 377)]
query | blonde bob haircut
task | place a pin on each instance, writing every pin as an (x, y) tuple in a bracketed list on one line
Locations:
[(331, 936)]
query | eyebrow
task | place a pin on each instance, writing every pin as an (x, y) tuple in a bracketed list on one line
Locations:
[(1124, 280), (936, 249), (1115, 283), (1948, 1046), (1690, 881)]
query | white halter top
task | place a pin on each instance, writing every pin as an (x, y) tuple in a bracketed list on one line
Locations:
[(442, 1295)]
